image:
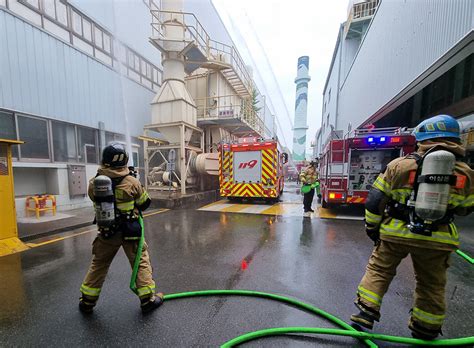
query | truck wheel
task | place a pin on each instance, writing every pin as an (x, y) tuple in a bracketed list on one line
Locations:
[(324, 204)]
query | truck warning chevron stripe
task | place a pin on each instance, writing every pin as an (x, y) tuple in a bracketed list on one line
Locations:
[(246, 190), (268, 166)]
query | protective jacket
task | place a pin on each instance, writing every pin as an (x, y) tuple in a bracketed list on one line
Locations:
[(308, 175), (129, 193), (396, 185)]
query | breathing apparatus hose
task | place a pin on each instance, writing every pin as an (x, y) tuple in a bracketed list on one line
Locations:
[(346, 330)]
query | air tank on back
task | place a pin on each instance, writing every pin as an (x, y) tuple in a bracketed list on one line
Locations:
[(432, 199), (104, 201)]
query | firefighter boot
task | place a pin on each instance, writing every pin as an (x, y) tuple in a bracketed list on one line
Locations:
[(149, 304), (366, 316), (421, 332), (86, 304)]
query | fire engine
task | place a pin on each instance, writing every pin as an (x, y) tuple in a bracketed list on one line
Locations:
[(349, 165), (251, 168)]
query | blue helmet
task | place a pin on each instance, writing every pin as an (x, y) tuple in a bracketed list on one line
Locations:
[(441, 126)]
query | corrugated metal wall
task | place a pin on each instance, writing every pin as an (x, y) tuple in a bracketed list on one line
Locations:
[(405, 38), (42, 75)]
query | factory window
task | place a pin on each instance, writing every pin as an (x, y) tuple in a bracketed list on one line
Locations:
[(98, 37), (114, 137), (87, 30), (329, 95), (87, 145), (50, 8), (327, 119), (64, 142), (137, 63), (7, 126), (8, 129), (156, 77), (56, 10), (61, 12), (76, 22), (34, 132), (107, 43)]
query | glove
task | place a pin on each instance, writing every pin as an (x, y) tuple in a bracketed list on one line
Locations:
[(373, 233)]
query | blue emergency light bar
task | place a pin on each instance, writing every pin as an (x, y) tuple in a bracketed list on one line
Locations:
[(374, 141), (383, 140)]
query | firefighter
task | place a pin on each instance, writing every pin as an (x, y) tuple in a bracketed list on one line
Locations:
[(309, 177), (398, 225), (128, 199)]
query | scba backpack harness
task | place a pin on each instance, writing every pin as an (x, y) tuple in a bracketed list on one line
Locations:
[(108, 217), (427, 206)]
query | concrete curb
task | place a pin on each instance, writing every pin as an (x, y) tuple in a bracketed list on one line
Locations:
[(56, 231)]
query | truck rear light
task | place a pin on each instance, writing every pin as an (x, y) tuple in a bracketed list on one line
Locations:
[(226, 191), (395, 140), (335, 195)]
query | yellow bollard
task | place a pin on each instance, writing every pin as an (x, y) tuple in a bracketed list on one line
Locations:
[(9, 241)]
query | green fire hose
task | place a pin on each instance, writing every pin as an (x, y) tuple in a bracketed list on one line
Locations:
[(305, 188), (138, 256), (346, 330), (465, 256)]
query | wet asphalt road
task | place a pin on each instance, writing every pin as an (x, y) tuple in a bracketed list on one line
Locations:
[(316, 261)]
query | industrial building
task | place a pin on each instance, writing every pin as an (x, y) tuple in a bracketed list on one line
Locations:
[(396, 63), (78, 74)]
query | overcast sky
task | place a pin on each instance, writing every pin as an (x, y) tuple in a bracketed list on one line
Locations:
[(284, 31)]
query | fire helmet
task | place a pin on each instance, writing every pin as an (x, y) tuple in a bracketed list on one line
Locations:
[(441, 126), (115, 155)]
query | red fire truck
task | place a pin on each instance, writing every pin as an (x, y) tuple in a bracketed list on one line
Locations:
[(349, 165), (251, 168)]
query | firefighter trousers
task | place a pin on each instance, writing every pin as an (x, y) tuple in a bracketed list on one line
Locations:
[(104, 251), (308, 200), (430, 268)]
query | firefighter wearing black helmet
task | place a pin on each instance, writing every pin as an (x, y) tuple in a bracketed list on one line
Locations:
[(129, 199)]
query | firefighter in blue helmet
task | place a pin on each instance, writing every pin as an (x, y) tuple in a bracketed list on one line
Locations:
[(410, 211), (117, 208)]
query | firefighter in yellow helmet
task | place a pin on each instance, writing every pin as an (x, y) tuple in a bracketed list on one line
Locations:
[(117, 220), (309, 180), (410, 211)]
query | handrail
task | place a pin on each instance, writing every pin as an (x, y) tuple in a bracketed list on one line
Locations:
[(195, 31), (230, 106), (364, 9)]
